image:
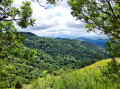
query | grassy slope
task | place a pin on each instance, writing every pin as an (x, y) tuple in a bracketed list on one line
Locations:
[(88, 77)]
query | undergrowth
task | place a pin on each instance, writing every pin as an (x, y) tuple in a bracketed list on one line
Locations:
[(89, 77)]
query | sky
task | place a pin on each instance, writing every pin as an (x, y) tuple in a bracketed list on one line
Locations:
[(56, 21)]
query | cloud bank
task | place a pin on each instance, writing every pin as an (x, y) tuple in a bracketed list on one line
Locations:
[(56, 21)]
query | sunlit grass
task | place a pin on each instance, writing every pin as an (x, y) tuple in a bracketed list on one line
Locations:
[(88, 77)]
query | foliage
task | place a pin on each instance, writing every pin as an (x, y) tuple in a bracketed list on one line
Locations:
[(47, 2), (6, 75), (18, 84), (20, 62), (111, 71), (66, 53), (28, 64), (69, 49), (102, 15), (10, 38), (20, 15), (85, 78), (113, 47)]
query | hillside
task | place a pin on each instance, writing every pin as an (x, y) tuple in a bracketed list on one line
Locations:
[(67, 53), (26, 64), (68, 49), (88, 77), (23, 63)]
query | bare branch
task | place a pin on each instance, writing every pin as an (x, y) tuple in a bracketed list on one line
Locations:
[(3, 18), (11, 19), (46, 5), (103, 11), (0, 1), (111, 8)]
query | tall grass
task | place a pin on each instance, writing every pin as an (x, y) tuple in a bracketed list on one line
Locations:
[(89, 77)]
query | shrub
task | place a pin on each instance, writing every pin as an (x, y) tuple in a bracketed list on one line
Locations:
[(18, 85)]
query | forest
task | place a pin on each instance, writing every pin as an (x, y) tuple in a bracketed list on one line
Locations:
[(27, 61), (31, 62)]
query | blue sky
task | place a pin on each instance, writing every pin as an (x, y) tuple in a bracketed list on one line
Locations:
[(56, 21)]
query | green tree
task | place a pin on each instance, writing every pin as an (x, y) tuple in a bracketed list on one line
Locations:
[(6, 75), (9, 15), (48, 2), (103, 15), (9, 37)]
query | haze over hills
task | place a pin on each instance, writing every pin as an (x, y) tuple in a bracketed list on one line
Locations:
[(98, 40)]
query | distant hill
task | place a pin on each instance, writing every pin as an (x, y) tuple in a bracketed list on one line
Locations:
[(28, 34), (98, 42), (68, 50)]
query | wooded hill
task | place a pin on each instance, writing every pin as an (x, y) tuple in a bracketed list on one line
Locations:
[(27, 63), (66, 52), (69, 49)]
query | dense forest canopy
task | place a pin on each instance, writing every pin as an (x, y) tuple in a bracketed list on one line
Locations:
[(65, 48)]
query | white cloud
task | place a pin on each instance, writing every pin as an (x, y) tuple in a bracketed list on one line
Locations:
[(56, 21)]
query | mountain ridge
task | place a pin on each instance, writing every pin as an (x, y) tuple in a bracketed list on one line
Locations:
[(57, 46), (98, 40)]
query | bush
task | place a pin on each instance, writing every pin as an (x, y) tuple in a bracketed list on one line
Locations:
[(18, 85), (111, 70)]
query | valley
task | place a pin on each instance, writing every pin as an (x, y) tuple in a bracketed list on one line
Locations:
[(59, 44), (29, 59)]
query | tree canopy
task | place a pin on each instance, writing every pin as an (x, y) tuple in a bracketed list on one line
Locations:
[(45, 3), (103, 15), (9, 37), (22, 16)]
